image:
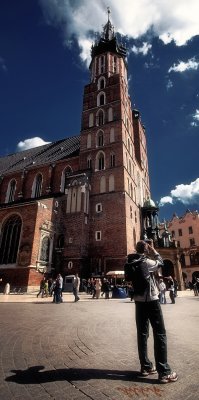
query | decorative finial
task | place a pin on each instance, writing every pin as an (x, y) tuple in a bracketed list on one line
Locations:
[(109, 11)]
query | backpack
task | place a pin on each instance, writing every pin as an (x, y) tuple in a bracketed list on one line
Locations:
[(133, 273)]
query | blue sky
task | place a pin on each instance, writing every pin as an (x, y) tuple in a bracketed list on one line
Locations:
[(44, 58)]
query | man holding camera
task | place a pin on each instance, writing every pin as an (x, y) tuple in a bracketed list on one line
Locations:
[(148, 309)]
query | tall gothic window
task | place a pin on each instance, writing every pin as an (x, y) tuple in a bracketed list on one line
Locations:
[(100, 139), (100, 118), (45, 247), (101, 163), (65, 173), (101, 83), (37, 186), (10, 240), (10, 195)]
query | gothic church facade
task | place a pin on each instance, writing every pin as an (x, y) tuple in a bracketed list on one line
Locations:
[(75, 205)]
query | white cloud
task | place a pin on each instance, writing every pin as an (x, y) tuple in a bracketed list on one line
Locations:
[(195, 117), (165, 200), (186, 194), (167, 19), (184, 66), (144, 49), (30, 143)]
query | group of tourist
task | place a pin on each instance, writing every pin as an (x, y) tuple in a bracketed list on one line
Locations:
[(97, 287), (54, 288), (171, 286)]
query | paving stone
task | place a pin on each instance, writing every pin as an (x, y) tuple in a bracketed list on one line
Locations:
[(89, 350)]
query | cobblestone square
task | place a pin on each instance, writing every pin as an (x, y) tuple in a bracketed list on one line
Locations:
[(88, 350)]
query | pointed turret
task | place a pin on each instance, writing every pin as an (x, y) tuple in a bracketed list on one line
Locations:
[(108, 41)]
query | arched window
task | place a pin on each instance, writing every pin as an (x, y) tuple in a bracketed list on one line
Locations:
[(111, 183), (45, 247), (101, 99), (101, 83), (112, 135), (37, 186), (10, 237), (100, 138), (65, 173), (110, 114), (91, 120), (102, 184), (101, 162), (10, 195), (100, 118)]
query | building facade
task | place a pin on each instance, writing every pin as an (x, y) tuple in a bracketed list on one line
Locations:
[(75, 204), (185, 231)]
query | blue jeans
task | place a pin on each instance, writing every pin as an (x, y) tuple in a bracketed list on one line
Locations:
[(151, 312), (58, 295)]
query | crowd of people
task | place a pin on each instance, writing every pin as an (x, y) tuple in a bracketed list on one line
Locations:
[(101, 287), (54, 288)]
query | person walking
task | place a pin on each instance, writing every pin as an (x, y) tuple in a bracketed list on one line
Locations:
[(171, 289), (162, 289), (76, 285), (148, 309), (58, 290), (42, 287), (98, 286)]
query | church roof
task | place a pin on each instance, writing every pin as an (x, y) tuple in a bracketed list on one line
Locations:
[(37, 156)]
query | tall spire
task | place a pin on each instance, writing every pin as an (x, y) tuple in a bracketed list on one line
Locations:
[(108, 29), (108, 41), (109, 12)]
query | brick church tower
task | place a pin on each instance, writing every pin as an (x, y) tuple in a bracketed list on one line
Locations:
[(75, 205), (113, 148)]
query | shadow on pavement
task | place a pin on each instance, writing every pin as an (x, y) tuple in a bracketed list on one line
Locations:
[(35, 375)]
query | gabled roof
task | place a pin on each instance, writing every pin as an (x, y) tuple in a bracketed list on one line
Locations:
[(41, 155)]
